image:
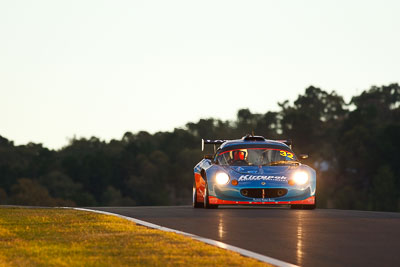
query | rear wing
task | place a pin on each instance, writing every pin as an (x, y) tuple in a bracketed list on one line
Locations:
[(204, 142), (211, 142)]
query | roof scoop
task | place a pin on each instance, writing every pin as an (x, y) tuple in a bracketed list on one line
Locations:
[(249, 137)]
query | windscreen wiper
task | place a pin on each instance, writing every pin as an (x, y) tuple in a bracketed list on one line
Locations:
[(283, 162)]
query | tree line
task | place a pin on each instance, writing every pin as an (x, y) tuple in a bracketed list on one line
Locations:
[(353, 146)]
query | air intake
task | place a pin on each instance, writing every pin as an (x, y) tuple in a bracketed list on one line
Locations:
[(253, 138)]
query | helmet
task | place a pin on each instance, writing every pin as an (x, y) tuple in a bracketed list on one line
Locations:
[(238, 155)]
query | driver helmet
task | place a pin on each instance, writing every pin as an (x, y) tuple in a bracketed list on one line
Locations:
[(238, 155)]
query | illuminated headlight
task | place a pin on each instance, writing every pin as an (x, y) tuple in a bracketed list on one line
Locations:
[(222, 178), (300, 178)]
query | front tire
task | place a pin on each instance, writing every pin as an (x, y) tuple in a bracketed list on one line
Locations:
[(207, 204), (196, 204)]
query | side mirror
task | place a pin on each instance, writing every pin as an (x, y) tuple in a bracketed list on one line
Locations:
[(303, 156), (208, 157)]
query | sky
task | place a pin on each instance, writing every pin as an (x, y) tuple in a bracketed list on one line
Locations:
[(102, 68)]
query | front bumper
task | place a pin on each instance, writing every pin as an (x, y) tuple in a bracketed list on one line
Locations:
[(217, 201)]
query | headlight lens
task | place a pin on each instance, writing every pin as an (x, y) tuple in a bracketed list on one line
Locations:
[(222, 178), (300, 177)]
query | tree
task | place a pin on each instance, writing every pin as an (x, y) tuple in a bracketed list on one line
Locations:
[(354, 148), (383, 195), (31, 193)]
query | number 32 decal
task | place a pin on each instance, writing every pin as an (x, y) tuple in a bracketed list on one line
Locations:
[(286, 154)]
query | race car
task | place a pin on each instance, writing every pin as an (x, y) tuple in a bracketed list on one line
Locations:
[(253, 171)]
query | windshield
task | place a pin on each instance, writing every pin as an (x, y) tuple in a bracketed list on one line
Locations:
[(256, 156)]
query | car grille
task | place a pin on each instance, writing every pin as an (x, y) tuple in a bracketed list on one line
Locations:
[(263, 192)]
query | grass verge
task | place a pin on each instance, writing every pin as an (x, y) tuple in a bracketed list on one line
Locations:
[(63, 237)]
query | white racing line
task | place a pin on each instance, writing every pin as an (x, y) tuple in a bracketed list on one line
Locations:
[(219, 244)]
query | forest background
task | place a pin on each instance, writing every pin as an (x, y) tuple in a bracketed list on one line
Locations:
[(353, 146)]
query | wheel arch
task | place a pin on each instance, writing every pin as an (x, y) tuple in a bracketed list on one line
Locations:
[(203, 174)]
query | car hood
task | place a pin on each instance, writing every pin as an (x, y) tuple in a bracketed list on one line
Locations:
[(262, 170), (254, 174)]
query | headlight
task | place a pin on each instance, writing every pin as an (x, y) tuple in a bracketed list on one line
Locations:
[(222, 178), (300, 177)]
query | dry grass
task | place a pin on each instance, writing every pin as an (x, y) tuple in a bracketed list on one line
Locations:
[(62, 237)]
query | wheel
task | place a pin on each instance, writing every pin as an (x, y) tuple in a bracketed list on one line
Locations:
[(195, 203), (207, 204)]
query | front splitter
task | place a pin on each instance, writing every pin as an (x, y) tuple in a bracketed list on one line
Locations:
[(217, 201)]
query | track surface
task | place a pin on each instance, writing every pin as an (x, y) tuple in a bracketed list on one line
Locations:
[(306, 238)]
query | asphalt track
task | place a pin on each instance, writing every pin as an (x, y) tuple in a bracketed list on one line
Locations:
[(302, 237)]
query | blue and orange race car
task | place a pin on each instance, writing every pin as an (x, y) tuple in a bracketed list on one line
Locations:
[(253, 171)]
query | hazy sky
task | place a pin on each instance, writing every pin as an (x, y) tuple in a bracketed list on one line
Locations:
[(106, 67)]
